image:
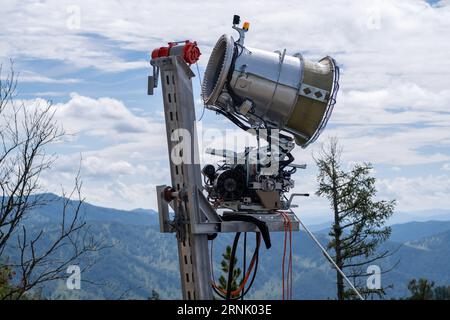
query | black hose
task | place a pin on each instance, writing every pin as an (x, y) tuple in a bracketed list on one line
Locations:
[(249, 286), (256, 254), (256, 268), (231, 266), (244, 261), (232, 119)]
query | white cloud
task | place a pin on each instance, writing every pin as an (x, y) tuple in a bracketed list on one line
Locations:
[(392, 108), (116, 149), (47, 94), (417, 193), (396, 147), (36, 78), (104, 118), (134, 161), (382, 38)]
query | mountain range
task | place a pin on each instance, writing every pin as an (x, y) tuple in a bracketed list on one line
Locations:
[(139, 259)]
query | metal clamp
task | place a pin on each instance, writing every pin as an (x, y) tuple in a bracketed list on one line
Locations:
[(153, 80)]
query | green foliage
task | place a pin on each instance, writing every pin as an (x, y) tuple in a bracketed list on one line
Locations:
[(359, 220), (441, 293), (423, 289), (225, 265), (8, 291), (368, 294), (154, 295), (142, 259), (6, 275)]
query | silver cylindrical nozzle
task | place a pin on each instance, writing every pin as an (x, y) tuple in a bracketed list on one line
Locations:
[(286, 92)]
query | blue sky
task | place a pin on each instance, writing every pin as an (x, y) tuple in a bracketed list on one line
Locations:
[(91, 59)]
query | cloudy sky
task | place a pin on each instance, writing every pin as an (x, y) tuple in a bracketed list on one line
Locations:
[(91, 59)]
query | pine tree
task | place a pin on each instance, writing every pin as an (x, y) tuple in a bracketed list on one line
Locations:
[(225, 265), (421, 289), (442, 293), (358, 219), (6, 275), (154, 295)]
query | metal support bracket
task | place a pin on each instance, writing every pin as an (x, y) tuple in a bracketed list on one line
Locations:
[(274, 222), (195, 217), (213, 222), (163, 211), (179, 111)]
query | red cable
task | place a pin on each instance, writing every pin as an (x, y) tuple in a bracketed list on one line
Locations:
[(246, 276), (288, 225), (284, 253), (290, 259)]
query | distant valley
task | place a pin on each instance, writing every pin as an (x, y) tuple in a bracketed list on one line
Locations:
[(140, 259)]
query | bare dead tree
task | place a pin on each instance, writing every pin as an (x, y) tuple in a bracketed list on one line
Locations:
[(25, 134)]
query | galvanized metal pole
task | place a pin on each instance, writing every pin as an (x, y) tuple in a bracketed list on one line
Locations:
[(179, 114)]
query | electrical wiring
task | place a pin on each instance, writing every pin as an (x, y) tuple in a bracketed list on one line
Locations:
[(231, 265), (287, 290), (200, 82), (288, 284), (290, 260), (253, 263), (252, 269), (290, 272), (237, 195), (211, 265), (287, 276), (244, 260), (284, 258), (219, 291)]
